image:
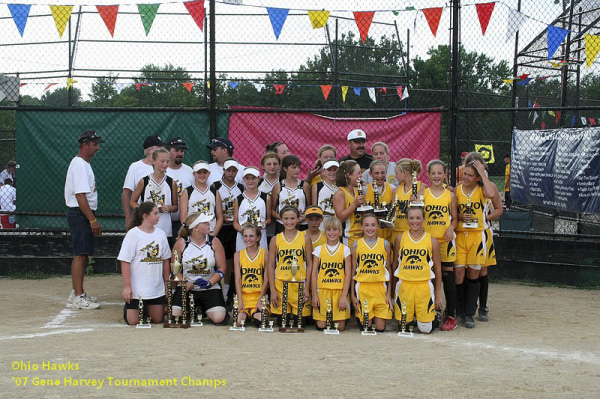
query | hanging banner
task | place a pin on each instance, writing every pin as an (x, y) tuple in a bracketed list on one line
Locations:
[(486, 151), (557, 168)]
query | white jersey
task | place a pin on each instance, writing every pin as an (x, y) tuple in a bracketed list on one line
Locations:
[(80, 180), (136, 172), (265, 187), (390, 175), (8, 196), (160, 194), (325, 197), (183, 178), (228, 195), (216, 174), (145, 253), (246, 206), (203, 202), (199, 262), (292, 196)]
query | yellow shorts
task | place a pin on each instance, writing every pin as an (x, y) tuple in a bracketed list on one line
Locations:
[(490, 253), (335, 296), (447, 250), (292, 300), (374, 294), (470, 248), (250, 300), (419, 299)]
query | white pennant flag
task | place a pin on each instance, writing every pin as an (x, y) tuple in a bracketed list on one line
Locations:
[(371, 91), (404, 94), (535, 116), (583, 121), (514, 22), (259, 86)]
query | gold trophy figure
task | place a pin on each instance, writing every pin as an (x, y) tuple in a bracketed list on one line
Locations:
[(176, 266), (379, 209), (263, 317), (235, 314), (294, 268), (328, 204), (473, 223), (331, 328), (415, 191), (254, 218), (173, 321), (193, 321), (403, 332), (366, 330), (388, 220), (284, 301), (142, 321), (155, 197), (363, 208)]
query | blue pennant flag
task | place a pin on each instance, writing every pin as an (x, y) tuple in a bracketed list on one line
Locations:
[(573, 120), (524, 82), (357, 90), (20, 13), (555, 38), (277, 17), (233, 85)]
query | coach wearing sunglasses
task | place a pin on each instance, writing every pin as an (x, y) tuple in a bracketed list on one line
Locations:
[(221, 149)]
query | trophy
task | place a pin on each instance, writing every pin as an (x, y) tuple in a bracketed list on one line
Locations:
[(263, 317), (254, 218), (284, 301), (473, 223), (331, 328), (193, 321), (328, 205), (403, 331), (362, 208), (388, 220), (366, 330), (228, 211), (380, 210), (235, 326), (176, 266), (142, 321), (294, 268), (155, 198), (173, 321), (415, 191)]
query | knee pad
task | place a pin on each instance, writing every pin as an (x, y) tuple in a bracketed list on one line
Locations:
[(425, 328)]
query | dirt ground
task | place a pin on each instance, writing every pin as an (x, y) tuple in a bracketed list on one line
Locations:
[(539, 342)]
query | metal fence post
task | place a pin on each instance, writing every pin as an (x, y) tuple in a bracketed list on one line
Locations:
[(213, 75), (455, 52)]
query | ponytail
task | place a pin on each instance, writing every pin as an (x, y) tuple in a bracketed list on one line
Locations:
[(341, 176), (138, 213), (185, 231)]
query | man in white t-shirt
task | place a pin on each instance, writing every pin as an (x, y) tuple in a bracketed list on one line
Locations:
[(81, 198), (136, 172), (182, 174), (9, 173), (221, 149), (8, 198)]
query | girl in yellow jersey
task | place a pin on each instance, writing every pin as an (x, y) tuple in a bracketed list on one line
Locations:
[(377, 171), (289, 245), (475, 189), (440, 221), (314, 219), (331, 277), (346, 200), (371, 269), (403, 193), (249, 267), (417, 262)]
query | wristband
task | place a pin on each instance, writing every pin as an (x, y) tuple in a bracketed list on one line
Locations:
[(93, 221), (220, 273)]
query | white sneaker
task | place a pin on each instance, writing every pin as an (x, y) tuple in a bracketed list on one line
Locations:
[(83, 302), (72, 296)]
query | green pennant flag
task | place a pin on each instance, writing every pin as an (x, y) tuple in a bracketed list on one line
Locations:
[(147, 13)]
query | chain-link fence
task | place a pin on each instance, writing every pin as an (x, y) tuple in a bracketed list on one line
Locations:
[(432, 79)]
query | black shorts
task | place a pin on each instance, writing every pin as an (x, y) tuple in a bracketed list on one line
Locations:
[(205, 299), (133, 304), (227, 235), (81, 232)]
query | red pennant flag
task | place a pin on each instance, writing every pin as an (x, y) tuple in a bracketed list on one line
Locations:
[(433, 16), (49, 86), (22, 84), (543, 125), (189, 85), (279, 89), (484, 12), (557, 117), (139, 85), (363, 21), (383, 90), (109, 16), (524, 76), (196, 10), (592, 122), (325, 89), (399, 91)]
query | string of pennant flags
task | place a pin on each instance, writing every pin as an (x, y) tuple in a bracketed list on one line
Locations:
[(535, 115), (318, 19)]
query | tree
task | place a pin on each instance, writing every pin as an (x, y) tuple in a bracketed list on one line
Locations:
[(60, 97), (104, 91)]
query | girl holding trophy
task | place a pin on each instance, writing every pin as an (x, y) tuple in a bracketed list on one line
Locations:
[(270, 164), (291, 191), (250, 282), (346, 200), (144, 257), (252, 206), (331, 277), (406, 168), (385, 195), (323, 190)]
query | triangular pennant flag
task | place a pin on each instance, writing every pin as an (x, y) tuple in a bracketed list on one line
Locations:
[(279, 89), (344, 92), (189, 86), (49, 86), (514, 23), (22, 84), (326, 89), (363, 22), (139, 85), (233, 85), (20, 13), (109, 16), (399, 91), (357, 90), (208, 84), (557, 117), (592, 122), (551, 113), (433, 16), (524, 76), (555, 38), (70, 82), (508, 81), (484, 12), (61, 15), (383, 90), (583, 121), (371, 91), (259, 86), (318, 19), (535, 116), (573, 121), (148, 13), (524, 82), (277, 17), (196, 10), (592, 47), (543, 125), (405, 94)]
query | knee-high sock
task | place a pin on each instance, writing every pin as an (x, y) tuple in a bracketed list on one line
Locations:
[(450, 292), (461, 294), (483, 291), (472, 296)]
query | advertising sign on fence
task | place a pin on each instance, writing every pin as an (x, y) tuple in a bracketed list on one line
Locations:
[(557, 168)]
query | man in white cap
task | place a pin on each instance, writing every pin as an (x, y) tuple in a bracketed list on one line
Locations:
[(182, 175), (221, 149), (357, 140)]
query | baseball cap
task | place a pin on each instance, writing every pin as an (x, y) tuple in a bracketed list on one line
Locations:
[(231, 163), (251, 171), (90, 135), (201, 166), (176, 142), (357, 134), (220, 142), (313, 210), (464, 154), (330, 164), (153, 141)]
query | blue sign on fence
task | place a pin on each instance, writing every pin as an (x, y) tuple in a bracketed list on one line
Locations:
[(557, 168)]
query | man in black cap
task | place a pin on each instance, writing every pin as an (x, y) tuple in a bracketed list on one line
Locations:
[(81, 198), (182, 174), (221, 149), (136, 172)]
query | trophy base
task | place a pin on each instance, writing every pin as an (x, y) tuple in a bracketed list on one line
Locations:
[(386, 223), (196, 324), (176, 325), (369, 332), (417, 203), (364, 209), (331, 331), (266, 329), (380, 213), (406, 334), (470, 225), (232, 328), (143, 325), (291, 329)]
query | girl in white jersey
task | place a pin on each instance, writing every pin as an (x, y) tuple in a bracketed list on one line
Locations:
[(292, 191), (270, 163), (322, 191), (250, 206)]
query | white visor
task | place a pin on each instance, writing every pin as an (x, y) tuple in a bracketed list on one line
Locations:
[(201, 166), (228, 164), (330, 164), (203, 218), (251, 171)]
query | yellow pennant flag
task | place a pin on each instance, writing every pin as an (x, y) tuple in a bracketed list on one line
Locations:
[(508, 81), (552, 113), (318, 19), (592, 47), (70, 82), (61, 15), (486, 151), (344, 92)]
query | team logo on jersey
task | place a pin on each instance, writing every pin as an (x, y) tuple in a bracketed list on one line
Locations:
[(331, 273), (436, 215), (252, 277), (179, 188), (228, 203), (369, 264), (291, 201), (413, 262), (152, 252), (202, 206), (199, 265), (474, 205)]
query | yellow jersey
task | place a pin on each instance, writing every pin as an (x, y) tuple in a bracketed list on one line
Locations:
[(286, 252), (321, 239), (415, 258), (331, 268), (386, 194), (401, 222), (317, 179), (252, 270), (478, 200), (438, 215), (352, 224), (507, 177), (371, 261)]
